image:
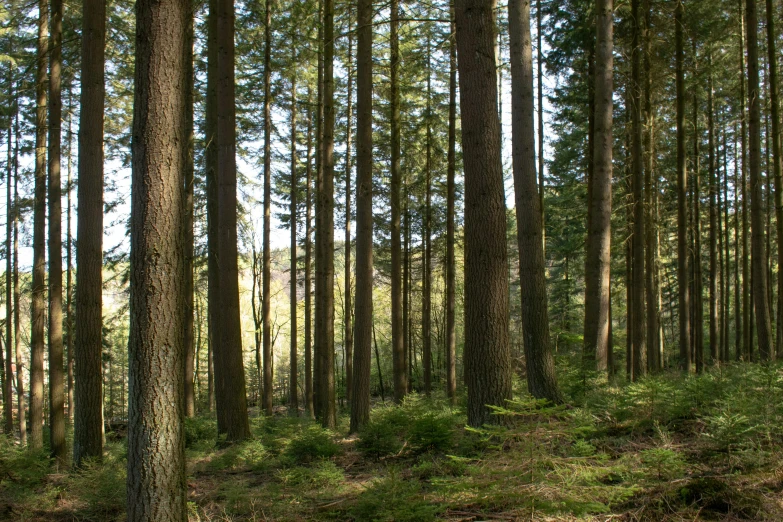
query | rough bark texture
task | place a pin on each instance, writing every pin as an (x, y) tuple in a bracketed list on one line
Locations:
[(682, 200), (229, 370), (88, 417), (187, 223), (777, 159), (758, 254), (541, 378), (599, 231), (56, 360), (451, 196), (398, 345), (360, 404), (156, 450), (37, 306), (266, 302), (324, 236), (487, 354)]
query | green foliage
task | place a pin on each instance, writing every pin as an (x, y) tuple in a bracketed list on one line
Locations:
[(100, 487), (200, 431), (393, 498), (311, 444)]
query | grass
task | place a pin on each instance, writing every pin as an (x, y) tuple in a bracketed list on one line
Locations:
[(667, 448)]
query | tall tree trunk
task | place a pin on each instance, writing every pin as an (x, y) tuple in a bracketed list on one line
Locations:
[(319, 217), (426, 297), (56, 362), (348, 339), (398, 342), (714, 230), (637, 164), (360, 404), (726, 244), (777, 159), (654, 361), (229, 369), (88, 421), (758, 255), (739, 316), (599, 232), (406, 285), (293, 392), (308, 347), (324, 234), (8, 374), (266, 303), (747, 336), (187, 224), (451, 196), (487, 354), (698, 307), (156, 486), (17, 293), (210, 160), (69, 323), (541, 378), (682, 199), (540, 65)]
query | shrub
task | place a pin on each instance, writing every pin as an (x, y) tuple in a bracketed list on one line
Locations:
[(313, 443)]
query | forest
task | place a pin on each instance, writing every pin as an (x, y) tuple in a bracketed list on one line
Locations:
[(459, 260)]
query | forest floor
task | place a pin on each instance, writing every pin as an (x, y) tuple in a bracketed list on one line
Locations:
[(664, 449)]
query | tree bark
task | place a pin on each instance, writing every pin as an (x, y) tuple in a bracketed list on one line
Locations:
[(308, 348), (17, 294), (541, 377), (293, 392), (8, 374), (599, 232), (714, 230), (348, 341), (682, 198), (88, 419), (266, 303), (426, 295), (187, 224), (156, 451), (654, 359), (360, 404), (746, 290), (451, 196), (698, 305), (758, 254), (487, 354)]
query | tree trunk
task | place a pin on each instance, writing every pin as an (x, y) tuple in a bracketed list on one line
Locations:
[(541, 377), (229, 370), (777, 159), (187, 208), (637, 165), (17, 294), (348, 340), (88, 421), (683, 272), (156, 486), (654, 360), (714, 230), (324, 235), (293, 392), (8, 375), (487, 354), (426, 297), (451, 196), (308, 348), (69, 322), (599, 232), (398, 343), (746, 291), (360, 404), (541, 166), (758, 254), (56, 362), (698, 307), (266, 303)]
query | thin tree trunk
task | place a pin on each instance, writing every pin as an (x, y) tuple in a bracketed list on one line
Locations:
[(8, 375), (541, 377), (599, 233), (426, 297), (746, 290), (69, 323), (406, 327), (266, 303), (540, 65), (451, 196), (17, 294), (187, 208), (682, 203), (714, 230), (360, 404), (348, 313), (308, 348), (727, 242), (654, 360), (698, 308), (56, 362), (156, 488), (487, 354), (758, 255), (739, 326), (88, 421), (293, 392)]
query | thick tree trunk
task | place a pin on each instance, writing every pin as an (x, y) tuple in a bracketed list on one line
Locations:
[(229, 368), (777, 159), (156, 451), (210, 160), (541, 377), (56, 362), (758, 254), (324, 235), (88, 421), (266, 302), (360, 404), (398, 343), (637, 166), (487, 354), (683, 272), (451, 196), (293, 392), (596, 333)]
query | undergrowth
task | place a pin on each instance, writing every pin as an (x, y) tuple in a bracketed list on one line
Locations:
[(665, 448)]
